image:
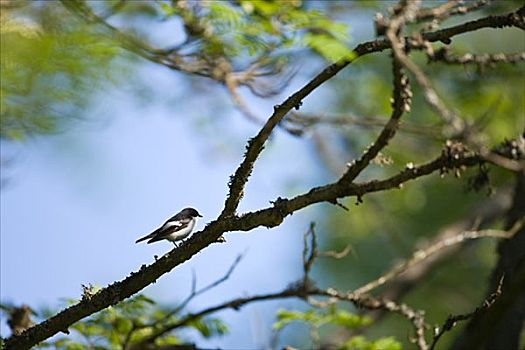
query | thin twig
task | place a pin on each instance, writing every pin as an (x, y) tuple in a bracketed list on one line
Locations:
[(335, 254), (450, 8), (309, 252), (444, 55), (430, 95), (304, 120), (479, 217), (452, 320), (425, 253), (194, 292), (401, 103)]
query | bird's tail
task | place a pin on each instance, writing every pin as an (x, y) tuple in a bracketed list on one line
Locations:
[(145, 237)]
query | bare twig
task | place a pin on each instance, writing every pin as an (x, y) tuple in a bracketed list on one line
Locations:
[(361, 301), (335, 254), (431, 97), (450, 159), (309, 252), (509, 155), (425, 253), (401, 103), (480, 216), (256, 144), (444, 55), (439, 12), (401, 97), (513, 19), (304, 120), (194, 292), (452, 320), (450, 8)]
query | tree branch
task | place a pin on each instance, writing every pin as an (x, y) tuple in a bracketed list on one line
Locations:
[(256, 144), (269, 217), (303, 121), (512, 19), (400, 103), (426, 253), (450, 8), (444, 55), (452, 320)]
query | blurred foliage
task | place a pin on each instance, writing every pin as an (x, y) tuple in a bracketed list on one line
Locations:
[(50, 66), (360, 343), (317, 318), (128, 323), (237, 29), (334, 316), (52, 63)]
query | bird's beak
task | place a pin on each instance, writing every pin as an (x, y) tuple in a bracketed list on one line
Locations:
[(199, 215)]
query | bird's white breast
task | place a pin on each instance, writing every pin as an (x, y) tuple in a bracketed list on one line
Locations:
[(181, 234)]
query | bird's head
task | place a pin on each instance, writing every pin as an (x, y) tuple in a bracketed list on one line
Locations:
[(191, 212)]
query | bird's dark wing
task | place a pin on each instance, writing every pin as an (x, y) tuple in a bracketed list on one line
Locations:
[(175, 223), (168, 228)]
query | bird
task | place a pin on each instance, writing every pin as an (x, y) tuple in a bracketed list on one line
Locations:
[(178, 227)]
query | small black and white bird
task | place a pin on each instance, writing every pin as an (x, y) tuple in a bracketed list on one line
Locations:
[(176, 228)]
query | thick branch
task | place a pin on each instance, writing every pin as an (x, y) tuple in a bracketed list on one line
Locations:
[(256, 144), (274, 215)]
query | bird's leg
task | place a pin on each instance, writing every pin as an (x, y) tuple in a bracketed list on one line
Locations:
[(176, 246)]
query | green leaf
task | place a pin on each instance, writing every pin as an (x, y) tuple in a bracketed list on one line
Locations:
[(349, 320), (328, 47), (209, 327), (123, 325), (167, 340), (223, 14), (284, 317), (167, 9), (360, 343)]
